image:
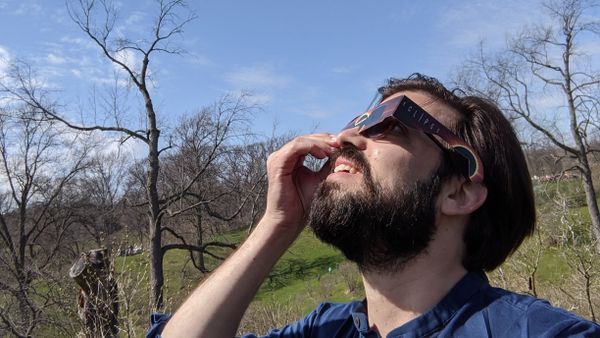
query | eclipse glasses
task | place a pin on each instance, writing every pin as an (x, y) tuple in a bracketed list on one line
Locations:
[(377, 121)]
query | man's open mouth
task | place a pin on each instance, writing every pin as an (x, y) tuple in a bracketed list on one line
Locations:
[(345, 168), (343, 165)]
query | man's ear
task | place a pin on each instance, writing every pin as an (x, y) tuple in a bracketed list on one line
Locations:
[(461, 197)]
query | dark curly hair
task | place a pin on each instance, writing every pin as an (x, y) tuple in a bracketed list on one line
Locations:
[(507, 216)]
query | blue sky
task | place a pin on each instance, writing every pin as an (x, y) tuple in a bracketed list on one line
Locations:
[(312, 65)]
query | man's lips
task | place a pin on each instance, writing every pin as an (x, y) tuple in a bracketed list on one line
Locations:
[(345, 165)]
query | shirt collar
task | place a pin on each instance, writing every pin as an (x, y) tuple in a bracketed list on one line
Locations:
[(433, 319)]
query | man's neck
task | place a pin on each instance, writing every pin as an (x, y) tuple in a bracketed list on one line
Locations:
[(394, 299)]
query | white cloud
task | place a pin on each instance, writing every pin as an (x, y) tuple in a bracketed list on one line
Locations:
[(54, 59), (76, 73), (466, 23), (589, 46), (28, 8), (544, 103), (128, 57), (4, 61), (258, 76), (102, 143), (315, 110), (260, 99), (342, 69), (82, 59), (77, 43), (200, 60), (135, 19), (318, 113), (132, 148), (251, 98)]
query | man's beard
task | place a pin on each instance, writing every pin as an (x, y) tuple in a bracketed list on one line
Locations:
[(377, 229)]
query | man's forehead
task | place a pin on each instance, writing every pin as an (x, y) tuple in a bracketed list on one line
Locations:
[(433, 105)]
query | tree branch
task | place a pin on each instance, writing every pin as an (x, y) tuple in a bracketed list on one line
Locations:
[(197, 248)]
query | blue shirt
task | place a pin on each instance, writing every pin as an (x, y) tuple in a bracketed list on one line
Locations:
[(471, 309)]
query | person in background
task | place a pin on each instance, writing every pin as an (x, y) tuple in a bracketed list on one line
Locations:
[(424, 192)]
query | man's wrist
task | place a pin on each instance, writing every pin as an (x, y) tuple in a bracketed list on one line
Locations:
[(278, 230)]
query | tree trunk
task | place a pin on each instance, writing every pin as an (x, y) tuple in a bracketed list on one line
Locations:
[(154, 221), (22, 275), (98, 304), (26, 319), (199, 242), (578, 136), (156, 269), (590, 196)]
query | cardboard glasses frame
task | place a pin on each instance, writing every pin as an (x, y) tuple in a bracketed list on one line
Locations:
[(409, 114)]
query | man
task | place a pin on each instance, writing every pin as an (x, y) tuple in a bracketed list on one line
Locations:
[(424, 192)]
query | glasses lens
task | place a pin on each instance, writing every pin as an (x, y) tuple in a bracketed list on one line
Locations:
[(380, 129), (375, 101)]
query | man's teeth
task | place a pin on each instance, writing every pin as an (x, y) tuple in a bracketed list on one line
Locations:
[(345, 167)]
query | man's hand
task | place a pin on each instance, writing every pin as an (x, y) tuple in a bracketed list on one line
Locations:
[(291, 184), (218, 304)]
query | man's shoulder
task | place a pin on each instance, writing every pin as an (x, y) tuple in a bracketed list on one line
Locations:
[(525, 313), (332, 311), (524, 304)]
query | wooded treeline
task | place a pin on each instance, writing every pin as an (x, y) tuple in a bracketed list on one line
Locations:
[(72, 184), (67, 194)]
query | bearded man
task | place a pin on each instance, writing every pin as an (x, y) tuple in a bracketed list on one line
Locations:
[(424, 192)]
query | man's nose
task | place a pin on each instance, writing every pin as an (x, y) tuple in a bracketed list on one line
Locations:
[(351, 136)]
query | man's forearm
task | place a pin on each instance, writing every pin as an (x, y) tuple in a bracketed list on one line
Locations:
[(216, 307)]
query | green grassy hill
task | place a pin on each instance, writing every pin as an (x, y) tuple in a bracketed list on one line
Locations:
[(311, 272), (308, 273)]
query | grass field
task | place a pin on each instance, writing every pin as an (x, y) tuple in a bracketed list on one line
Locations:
[(301, 270), (311, 272)]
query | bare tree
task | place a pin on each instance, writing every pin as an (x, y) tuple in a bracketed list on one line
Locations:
[(195, 174), (97, 19), (99, 206), (548, 63), (546, 159), (579, 255), (37, 167), (249, 163)]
